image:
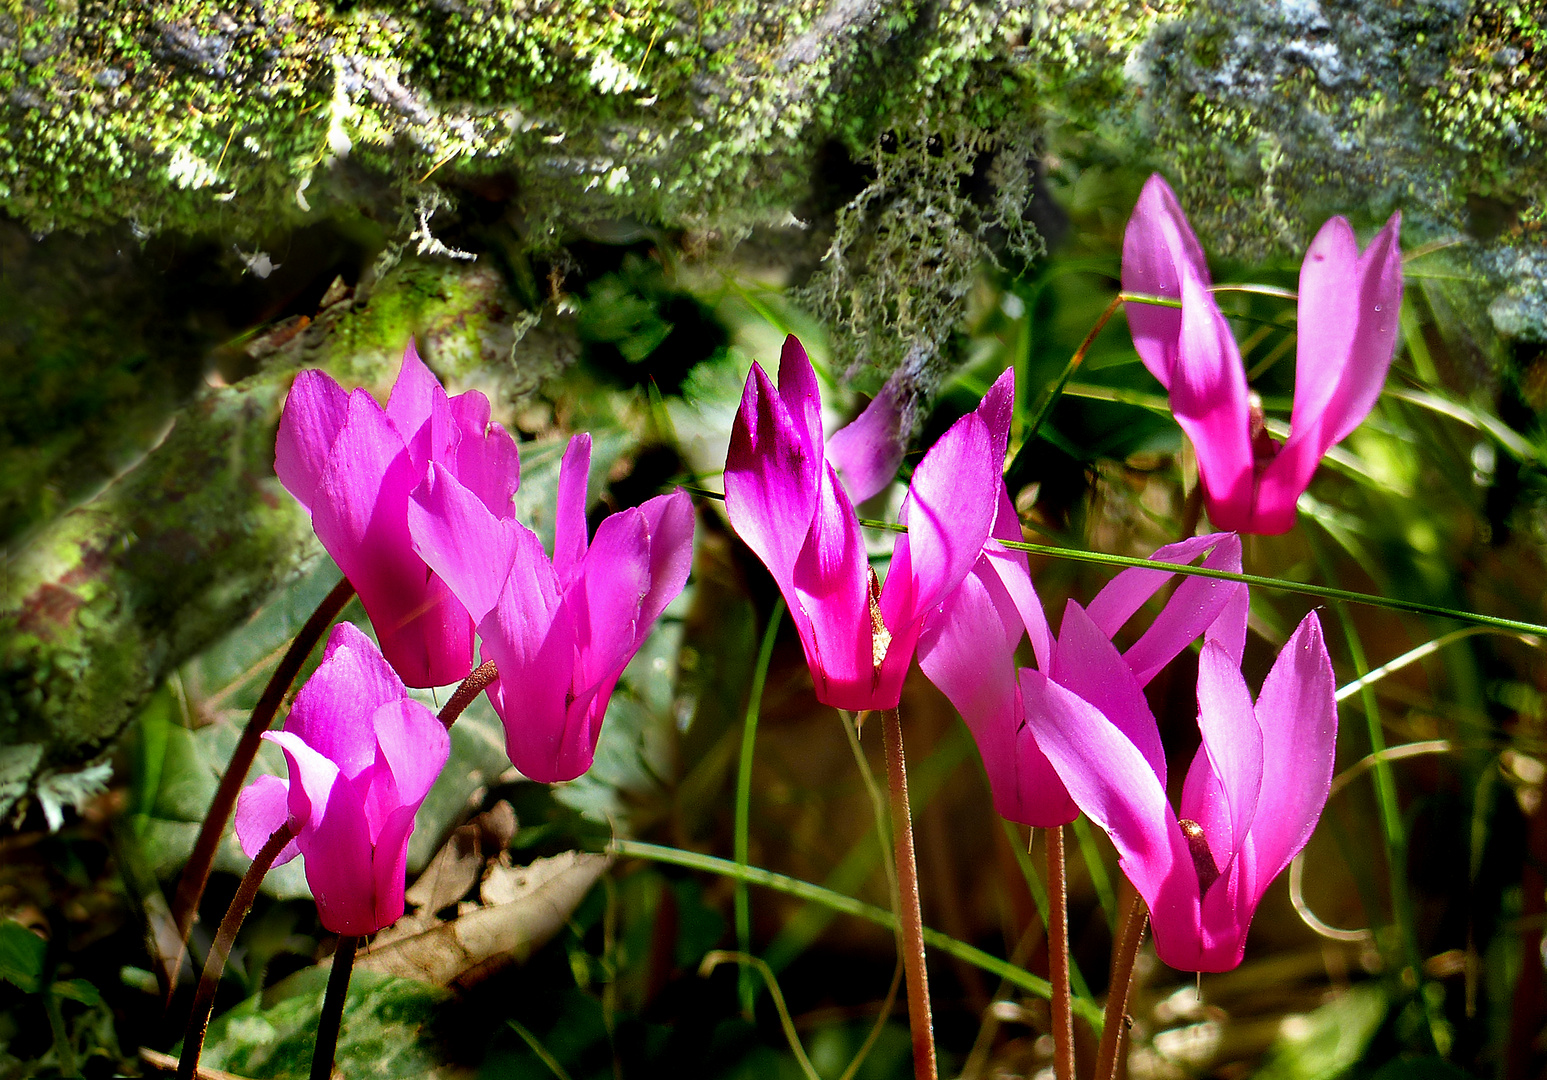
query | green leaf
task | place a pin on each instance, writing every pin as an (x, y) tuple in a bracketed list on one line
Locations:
[(383, 1035), (21, 956), (1325, 1043), (76, 990)]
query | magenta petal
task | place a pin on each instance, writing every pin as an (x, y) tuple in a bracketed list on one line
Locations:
[(488, 463), (414, 746), (339, 855), (353, 679), (771, 480), (1015, 576), (1297, 711), (536, 659), (1199, 605), (462, 541), (801, 396), (1110, 780), (1205, 803), (312, 779), (832, 591), (1125, 594), (670, 518), (1086, 662), (420, 410), (1209, 401), (867, 451), (261, 808), (996, 410), (389, 867), (314, 414), (1232, 741), (949, 512), (605, 601), (569, 524), (1159, 249)]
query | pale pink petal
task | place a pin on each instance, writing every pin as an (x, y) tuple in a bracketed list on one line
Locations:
[(1349, 307), (313, 416), (569, 524), (1233, 744), (867, 451), (1209, 401), (457, 535), (1159, 250), (1297, 712), (352, 681), (830, 583), (771, 480), (420, 410), (261, 808), (670, 518), (1110, 780)]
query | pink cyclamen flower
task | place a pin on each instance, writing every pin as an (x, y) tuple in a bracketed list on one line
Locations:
[(559, 630), (353, 464), (362, 756), (968, 650), (792, 500), (1348, 310), (1203, 872)]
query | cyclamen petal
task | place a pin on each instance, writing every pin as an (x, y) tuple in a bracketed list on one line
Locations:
[(560, 630), (785, 498), (353, 464), (362, 756), (1348, 308)]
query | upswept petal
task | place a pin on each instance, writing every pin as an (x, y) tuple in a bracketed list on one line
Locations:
[(801, 396), (1209, 401), (1014, 575), (867, 451), (487, 461), (457, 535), (389, 866), (830, 583), (605, 600), (313, 416), (1349, 308), (420, 410), (1233, 743), (262, 807), (1297, 713), (771, 480), (353, 678), (362, 520), (413, 745), (533, 693), (1159, 250), (338, 846), (1087, 663), (569, 524), (670, 518), (1216, 609), (312, 779), (949, 512), (997, 410), (1110, 780)]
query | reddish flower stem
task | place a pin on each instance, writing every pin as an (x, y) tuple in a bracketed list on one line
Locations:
[(1058, 956), (236, 914), (470, 688), (332, 1017), (1125, 951), (190, 886), (910, 913)]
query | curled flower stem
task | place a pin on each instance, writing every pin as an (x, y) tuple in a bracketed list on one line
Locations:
[(195, 876), (332, 1017), (910, 916), (1125, 951), (470, 688), (236, 914), (1058, 956)]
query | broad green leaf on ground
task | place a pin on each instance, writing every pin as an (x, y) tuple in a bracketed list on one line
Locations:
[(1322, 1044), (383, 1032), (21, 956)]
